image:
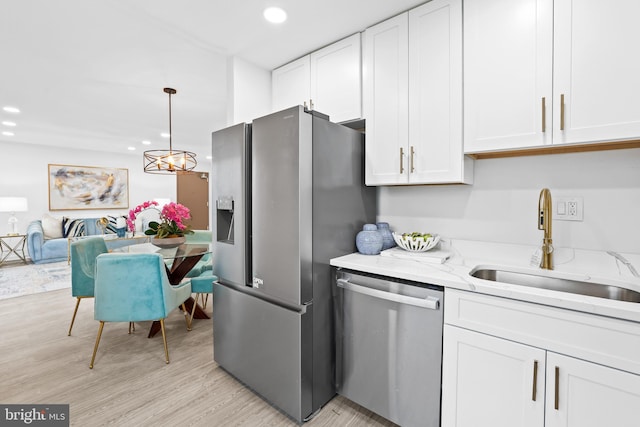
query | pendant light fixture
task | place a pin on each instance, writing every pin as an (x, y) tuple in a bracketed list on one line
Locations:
[(169, 161)]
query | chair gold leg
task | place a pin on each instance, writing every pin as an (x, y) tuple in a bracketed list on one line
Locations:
[(131, 327), (73, 319), (186, 315), (205, 299), (95, 348), (164, 339), (193, 309)]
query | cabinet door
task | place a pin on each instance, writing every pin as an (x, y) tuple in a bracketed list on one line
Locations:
[(490, 382), (435, 98), (507, 73), (290, 84), (385, 101), (584, 394), (596, 70), (336, 80)]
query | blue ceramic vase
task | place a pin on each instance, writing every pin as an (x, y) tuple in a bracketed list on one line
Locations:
[(387, 237), (369, 240)]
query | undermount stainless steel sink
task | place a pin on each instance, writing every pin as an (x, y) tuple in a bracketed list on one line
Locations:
[(562, 284)]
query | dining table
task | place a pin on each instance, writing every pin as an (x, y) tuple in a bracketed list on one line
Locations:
[(179, 261)]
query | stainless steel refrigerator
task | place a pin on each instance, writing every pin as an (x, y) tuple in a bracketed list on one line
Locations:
[(290, 195)]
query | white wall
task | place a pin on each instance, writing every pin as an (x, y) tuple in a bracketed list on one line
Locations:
[(248, 91), (24, 174), (501, 205)]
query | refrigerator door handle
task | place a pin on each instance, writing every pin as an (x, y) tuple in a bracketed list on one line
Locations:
[(300, 309), (428, 302)]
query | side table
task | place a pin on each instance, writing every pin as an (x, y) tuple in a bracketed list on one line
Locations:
[(17, 248)]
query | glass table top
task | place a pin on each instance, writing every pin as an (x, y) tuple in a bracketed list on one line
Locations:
[(184, 250)]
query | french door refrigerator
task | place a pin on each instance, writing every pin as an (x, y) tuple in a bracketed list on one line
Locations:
[(290, 195)]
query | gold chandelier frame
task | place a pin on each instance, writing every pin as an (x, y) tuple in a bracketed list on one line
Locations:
[(169, 161)]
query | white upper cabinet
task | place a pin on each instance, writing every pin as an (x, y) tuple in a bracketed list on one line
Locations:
[(412, 97), (291, 83), (508, 47), (327, 80), (385, 100), (336, 80), (597, 69), (537, 72), (435, 94)]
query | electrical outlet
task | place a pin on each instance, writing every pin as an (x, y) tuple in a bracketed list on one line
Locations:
[(568, 209)]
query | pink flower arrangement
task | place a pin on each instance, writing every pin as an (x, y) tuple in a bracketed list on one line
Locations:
[(133, 213), (172, 223)]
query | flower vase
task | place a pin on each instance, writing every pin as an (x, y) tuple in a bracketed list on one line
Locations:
[(168, 242), (369, 240), (387, 237)]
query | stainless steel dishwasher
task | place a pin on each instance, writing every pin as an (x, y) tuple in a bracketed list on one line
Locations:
[(389, 346)]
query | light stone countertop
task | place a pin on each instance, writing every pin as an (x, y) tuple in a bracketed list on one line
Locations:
[(585, 265)]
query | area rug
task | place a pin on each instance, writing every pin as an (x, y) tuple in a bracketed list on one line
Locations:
[(29, 279)]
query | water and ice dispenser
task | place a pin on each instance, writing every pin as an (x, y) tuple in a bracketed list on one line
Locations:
[(224, 219)]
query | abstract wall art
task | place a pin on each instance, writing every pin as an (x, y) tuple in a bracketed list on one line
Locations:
[(87, 187)]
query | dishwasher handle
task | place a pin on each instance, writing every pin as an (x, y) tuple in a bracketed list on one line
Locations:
[(429, 302)]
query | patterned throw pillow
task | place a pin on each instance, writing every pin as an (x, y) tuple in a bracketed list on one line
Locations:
[(113, 224), (72, 227)]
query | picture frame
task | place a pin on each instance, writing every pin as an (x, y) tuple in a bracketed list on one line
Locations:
[(87, 187)]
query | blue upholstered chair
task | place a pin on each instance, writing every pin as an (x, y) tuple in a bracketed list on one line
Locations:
[(203, 278), (134, 287), (205, 264), (83, 261), (200, 286)]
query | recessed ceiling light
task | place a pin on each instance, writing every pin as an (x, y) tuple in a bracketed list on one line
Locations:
[(146, 142), (275, 15), (209, 157), (7, 123), (164, 135), (6, 133), (131, 148), (10, 109)]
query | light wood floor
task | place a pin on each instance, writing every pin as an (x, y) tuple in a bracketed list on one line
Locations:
[(130, 384)]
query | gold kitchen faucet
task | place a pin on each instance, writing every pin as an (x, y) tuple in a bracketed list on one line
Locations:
[(544, 223)]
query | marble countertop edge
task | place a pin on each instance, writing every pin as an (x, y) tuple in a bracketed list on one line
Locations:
[(466, 255)]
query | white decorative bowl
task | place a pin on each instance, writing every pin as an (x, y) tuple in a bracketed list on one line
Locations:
[(416, 244)]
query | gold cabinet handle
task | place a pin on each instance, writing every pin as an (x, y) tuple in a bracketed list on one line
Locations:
[(544, 114), (311, 104), (534, 390), (401, 160), (556, 403), (412, 155), (562, 111)]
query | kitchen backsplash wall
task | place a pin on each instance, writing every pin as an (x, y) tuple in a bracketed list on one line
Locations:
[(501, 205)]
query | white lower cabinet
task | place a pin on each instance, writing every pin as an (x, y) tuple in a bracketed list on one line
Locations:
[(511, 363), (490, 382), (590, 395)]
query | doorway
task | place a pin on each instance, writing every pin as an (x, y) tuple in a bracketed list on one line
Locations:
[(193, 192)]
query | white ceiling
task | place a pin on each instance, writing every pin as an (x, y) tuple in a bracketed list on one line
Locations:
[(90, 73)]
